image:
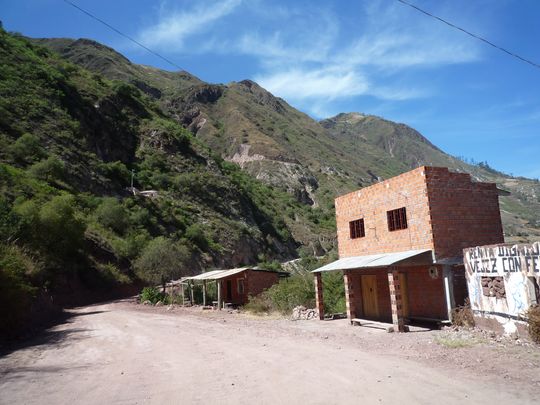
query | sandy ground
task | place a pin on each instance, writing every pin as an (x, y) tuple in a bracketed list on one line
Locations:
[(125, 353)]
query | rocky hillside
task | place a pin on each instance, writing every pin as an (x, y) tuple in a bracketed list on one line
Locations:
[(313, 161), (71, 142)]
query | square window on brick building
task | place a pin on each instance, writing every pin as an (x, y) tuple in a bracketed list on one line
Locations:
[(357, 228), (397, 219)]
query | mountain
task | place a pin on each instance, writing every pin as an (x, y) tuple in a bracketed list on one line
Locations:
[(71, 142), (314, 161)]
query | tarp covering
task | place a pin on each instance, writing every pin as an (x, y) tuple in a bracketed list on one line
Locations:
[(378, 260)]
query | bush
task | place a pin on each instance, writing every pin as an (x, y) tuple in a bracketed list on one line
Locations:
[(49, 169), (152, 294), (291, 292), (116, 171), (196, 235), (258, 304), (27, 149), (55, 229), (16, 290), (463, 316), (333, 292), (162, 260), (534, 323), (111, 214)]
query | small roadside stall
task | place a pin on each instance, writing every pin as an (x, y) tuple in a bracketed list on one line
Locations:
[(234, 286)]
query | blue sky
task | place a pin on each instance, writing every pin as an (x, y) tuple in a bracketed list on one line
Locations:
[(324, 57)]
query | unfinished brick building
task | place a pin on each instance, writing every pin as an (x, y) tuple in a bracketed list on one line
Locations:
[(401, 242)]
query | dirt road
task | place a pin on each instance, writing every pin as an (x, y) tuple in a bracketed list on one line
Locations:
[(129, 354)]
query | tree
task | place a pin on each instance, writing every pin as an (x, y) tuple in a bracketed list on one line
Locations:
[(111, 214), (162, 260), (49, 169), (27, 148)]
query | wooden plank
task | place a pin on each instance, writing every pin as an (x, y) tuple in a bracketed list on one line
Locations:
[(373, 324)]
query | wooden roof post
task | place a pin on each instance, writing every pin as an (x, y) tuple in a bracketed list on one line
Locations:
[(319, 295), (192, 300), (218, 282), (204, 293), (395, 299), (183, 297)]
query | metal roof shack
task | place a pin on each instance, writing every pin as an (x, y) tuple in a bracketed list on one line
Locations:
[(234, 286)]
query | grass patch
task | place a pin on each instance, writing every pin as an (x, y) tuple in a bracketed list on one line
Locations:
[(457, 342)]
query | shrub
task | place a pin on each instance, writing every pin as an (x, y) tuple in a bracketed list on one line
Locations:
[(273, 265), (61, 229), (196, 235), (16, 291), (334, 292), (56, 228), (112, 274), (116, 171), (463, 316), (27, 148), (291, 292), (111, 214), (161, 260), (534, 323), (151, 294), (49, 169), (258, 304)]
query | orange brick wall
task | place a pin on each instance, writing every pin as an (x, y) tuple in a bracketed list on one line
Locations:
[(463, 213), (371, 203), (446, 212), (258, 281), (425, 294)]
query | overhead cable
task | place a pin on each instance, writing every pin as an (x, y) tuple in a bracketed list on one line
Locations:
[(478, 37), (122, 34)]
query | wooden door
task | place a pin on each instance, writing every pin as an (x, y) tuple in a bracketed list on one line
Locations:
[(404, 294), (369, 297)]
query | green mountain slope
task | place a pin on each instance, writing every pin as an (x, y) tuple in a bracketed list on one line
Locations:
[(314, 161), (70, 140)]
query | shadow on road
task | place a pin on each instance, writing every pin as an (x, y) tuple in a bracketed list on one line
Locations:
[(50, 334)]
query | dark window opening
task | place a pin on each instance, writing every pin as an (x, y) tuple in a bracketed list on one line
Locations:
[(357, 228), (397, 219)]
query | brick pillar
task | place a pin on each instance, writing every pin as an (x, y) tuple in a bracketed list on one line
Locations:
[(319, 295), (395, 300), (348, 294)]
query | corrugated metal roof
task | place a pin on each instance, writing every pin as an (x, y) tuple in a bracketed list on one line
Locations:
[(378, 260), (216, 274)]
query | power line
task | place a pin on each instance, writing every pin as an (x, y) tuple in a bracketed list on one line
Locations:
[(471, 34), (122, 34)]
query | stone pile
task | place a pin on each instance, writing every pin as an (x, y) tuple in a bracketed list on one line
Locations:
[(303, 313)]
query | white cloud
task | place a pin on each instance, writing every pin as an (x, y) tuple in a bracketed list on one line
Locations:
[(174, 27), (323, 83), (404, 51), (310, 56)]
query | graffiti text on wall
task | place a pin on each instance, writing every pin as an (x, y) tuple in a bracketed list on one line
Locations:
[(490, 260)]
